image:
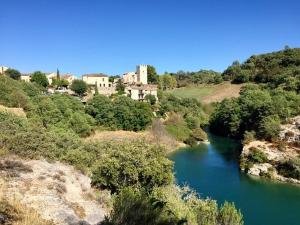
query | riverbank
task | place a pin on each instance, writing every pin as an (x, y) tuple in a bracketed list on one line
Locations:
[(265, 159), (213, 171)]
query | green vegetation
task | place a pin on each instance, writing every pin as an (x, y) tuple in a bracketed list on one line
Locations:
[(79, 87), (195, 78), (169, 205), (277, 69), (140, 175), (167, 82), (257, 156), (290, 168), (120, 113), (12, 73), (257, 109), (185, 118), (136, 165), (39, 78)]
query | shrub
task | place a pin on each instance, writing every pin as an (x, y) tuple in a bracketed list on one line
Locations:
[(249, 136), (132, 164), (123, 113), (257, 156), (229, 215), (290, 168), (79, 87), (12, 73), (39, 78)]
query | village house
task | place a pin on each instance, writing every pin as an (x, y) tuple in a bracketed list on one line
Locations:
[(138, 77), (51, 77), (136, 84), (101, 81), (140, 92), (69, 77), (3, 69), (26, 77)]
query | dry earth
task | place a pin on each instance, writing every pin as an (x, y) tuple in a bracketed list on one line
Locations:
[(16, 111), (160, 138), (222, 91), (56, 191)]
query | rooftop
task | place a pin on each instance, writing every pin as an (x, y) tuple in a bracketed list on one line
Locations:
[(94, 75)]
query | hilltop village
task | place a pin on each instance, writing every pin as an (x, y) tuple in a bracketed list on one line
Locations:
[(135, 83)]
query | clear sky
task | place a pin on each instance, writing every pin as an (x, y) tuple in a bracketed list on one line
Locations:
[(113, 36)]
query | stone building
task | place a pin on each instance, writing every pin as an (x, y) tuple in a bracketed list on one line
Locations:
[(138, 77), (101, 81)]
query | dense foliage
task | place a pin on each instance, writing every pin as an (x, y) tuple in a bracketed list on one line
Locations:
[(39, 78), (121, 113), (257, 109), (12, 73), (200, 77), (185, 118), (137, 165), (278, 69), (170, 205), (79, 87)]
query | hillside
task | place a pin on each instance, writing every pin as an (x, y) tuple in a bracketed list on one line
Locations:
[(57, 192), (281, 68), (208, 93)]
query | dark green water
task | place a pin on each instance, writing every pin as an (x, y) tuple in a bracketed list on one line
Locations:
[(213, 171)]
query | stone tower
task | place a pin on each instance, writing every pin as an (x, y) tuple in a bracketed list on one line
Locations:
[(141, 71)]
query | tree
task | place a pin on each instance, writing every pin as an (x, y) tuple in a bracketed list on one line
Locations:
[(152, 75), (57, 75), (14, 74), (167, 81), (120, 87), (151, 99), (39, 78), (79, 87)]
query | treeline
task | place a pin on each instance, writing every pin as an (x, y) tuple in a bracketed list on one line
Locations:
[(182, 78), (258, 112), (276, 69)]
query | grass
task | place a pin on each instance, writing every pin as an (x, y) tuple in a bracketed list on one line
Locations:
[(192, 92), (208, 93)]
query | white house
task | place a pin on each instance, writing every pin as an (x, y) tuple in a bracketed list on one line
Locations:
[(26, 77), (139, 92)]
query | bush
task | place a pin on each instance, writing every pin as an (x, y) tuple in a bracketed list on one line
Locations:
[(79, 87), (123, 112), (257, 156), (248, 137), (132, 164), (290, 168), (169, 205), (229, 215), (12, 73), (39, 78)]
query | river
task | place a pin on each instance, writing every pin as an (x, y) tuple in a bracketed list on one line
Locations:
[(213, 171)]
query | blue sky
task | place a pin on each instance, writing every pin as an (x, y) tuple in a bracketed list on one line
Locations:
[(112, 36)]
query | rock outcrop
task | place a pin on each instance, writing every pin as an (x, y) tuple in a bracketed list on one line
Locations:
[(58, 192)]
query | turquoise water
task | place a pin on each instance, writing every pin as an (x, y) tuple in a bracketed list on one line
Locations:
[(213, 171)]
